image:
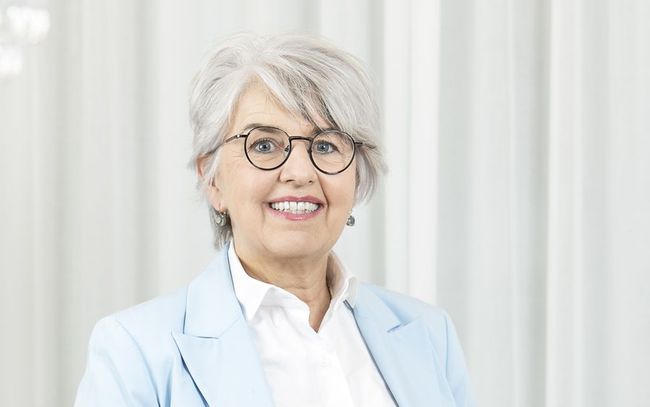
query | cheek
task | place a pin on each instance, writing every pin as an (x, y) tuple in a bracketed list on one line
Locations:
[(249, 188), (230, 185), (341, 191)]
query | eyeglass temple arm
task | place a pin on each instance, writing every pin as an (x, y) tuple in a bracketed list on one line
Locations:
[(228, 140)]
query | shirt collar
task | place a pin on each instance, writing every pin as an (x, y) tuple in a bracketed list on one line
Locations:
[(343, 285), (252, 293)]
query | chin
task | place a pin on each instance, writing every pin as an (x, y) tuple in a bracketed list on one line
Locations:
[(295, 246)]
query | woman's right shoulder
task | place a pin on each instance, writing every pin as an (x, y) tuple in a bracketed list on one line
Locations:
[(150, 326), (149, 322), (132, 354)]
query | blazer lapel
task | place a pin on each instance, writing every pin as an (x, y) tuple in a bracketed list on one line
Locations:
[(402, 351), (216, 344)]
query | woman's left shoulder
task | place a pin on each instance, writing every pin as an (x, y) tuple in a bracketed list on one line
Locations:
[(421, 319), (407, 308)]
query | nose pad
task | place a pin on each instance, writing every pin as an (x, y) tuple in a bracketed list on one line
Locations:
[(294, 145), (299, 166), (305, 143)]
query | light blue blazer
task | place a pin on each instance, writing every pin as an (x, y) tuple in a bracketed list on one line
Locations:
[(194, 348)]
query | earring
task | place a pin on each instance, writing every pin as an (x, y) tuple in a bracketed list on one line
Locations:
[(220, 218), (350, 221)]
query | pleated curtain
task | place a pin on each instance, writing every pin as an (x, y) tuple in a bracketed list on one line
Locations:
[(517, 134)]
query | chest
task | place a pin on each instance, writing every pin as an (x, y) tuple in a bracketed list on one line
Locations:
[(331, 367)]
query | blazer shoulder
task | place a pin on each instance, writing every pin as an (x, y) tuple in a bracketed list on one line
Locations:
[(408, 308), (155, 317), (441, 332), (131, 352), (148, 326)]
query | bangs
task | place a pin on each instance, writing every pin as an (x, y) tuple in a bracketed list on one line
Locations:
[(296, 93)]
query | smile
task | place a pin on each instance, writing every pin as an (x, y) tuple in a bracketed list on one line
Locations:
[(297, 208)]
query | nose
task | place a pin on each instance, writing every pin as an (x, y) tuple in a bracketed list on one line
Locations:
[(298, 168)]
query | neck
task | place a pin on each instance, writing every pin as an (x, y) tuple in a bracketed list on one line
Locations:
[(304, 278)]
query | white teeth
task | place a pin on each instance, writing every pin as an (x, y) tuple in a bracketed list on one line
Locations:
[(294, 207)]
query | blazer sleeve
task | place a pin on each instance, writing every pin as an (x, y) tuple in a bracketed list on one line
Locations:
[(456, 369), (116, 371)]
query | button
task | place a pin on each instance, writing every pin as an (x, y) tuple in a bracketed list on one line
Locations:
[(325, 362)]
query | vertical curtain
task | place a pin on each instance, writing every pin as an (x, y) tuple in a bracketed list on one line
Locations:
[(517, 198)]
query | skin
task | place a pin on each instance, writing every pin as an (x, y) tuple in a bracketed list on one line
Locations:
[(288, 253)]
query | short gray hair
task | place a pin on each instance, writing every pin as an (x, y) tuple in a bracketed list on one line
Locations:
[(308, 76)]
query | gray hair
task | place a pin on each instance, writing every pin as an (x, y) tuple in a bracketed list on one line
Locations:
[(308, 76)]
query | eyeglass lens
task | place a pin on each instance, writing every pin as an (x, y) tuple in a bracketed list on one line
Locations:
[(267, 148)]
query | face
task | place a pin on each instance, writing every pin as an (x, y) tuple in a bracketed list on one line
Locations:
[(253, 197)]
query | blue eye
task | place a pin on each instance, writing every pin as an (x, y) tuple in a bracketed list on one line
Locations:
[(264, 146), (323, 147)]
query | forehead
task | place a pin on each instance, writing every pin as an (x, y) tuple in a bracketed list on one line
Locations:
[(257, 105)]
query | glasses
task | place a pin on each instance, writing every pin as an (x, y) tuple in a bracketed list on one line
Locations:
[(267, 148)]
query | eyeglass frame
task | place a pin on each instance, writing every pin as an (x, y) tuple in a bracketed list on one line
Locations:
[(291, 138)]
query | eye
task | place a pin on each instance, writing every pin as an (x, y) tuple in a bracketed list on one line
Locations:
[(264, 146), (324, 147)]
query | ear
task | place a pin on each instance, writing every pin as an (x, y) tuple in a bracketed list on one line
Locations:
[(213, 192)]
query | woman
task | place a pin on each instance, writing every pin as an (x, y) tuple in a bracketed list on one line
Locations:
[(284, 129)]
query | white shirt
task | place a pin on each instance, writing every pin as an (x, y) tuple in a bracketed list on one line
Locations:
[(328, 368)]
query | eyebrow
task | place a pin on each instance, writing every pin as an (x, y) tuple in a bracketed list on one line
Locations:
[(251, 126)]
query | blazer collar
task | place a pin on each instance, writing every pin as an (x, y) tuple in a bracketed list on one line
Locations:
[(216, 344), (212, 307), (402, 351), (221, 357)]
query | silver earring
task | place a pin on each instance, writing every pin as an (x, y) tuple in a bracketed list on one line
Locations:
[(350, 221), (220, 218)]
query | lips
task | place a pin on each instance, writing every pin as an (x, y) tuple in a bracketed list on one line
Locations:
[(296, 206)]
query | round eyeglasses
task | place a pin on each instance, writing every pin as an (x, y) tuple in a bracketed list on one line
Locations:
[(267, 148)]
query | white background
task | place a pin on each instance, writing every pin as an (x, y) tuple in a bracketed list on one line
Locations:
[(518, 138)]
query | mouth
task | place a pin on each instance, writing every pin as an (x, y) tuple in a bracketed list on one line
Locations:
[(296, 206)]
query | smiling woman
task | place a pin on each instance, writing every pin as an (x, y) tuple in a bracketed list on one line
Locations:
[(262, 234), (283, 148)]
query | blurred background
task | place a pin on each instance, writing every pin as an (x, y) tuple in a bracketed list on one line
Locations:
[(517, 134)]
